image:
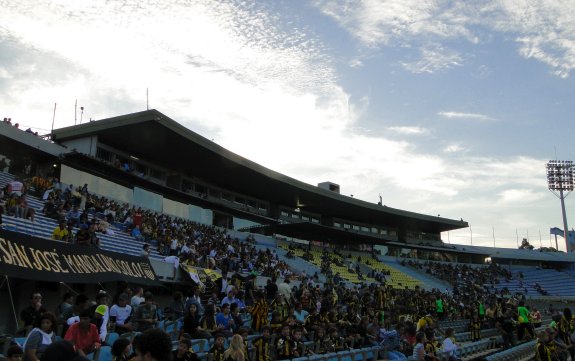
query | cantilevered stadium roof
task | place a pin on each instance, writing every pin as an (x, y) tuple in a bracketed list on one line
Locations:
[(154, 137)]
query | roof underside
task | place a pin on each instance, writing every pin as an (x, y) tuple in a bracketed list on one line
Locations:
[(154, 137)]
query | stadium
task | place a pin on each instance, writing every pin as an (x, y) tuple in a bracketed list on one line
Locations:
[(139, 203)]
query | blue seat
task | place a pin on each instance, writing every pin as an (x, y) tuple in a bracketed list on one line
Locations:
[(104, 353), (305, 358), (331, 356), (356, 355), (111, 338), (344, 356), (200, 345), (19, 340)]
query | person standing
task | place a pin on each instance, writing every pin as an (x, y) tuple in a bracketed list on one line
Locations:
[(525, 328), (439, 307), (259, 312)]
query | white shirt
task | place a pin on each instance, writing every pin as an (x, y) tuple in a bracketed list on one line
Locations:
[(448, 347), (136, 301), (121, 313), (173, 259)]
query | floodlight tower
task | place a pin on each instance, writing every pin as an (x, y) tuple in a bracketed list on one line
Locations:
[(560, 182)]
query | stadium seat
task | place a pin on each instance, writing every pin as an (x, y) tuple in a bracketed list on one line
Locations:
[(104, 353), (111, 338)]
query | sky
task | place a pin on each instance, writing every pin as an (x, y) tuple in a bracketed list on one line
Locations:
[(447, 108)]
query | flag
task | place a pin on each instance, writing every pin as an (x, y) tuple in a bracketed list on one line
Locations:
[(556, 231), (214, 275)]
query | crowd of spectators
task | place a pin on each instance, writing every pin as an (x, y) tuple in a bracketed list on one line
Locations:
[(284, 317), (333, 315)]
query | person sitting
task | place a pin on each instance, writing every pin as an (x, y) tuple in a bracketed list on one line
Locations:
[(60, 233), (14, 353), (84, 334), (236, 350), (216, 353), (137, 234), (120, 314), (40, 337), (146, 315), (224, 320), (153, 345), (73, 216), (184, 351), (63, 351), (31, 314), (83, 235), (121, 349)]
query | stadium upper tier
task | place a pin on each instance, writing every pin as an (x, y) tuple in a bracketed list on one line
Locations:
[(153, 145)]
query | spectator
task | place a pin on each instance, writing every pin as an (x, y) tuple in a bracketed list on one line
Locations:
[(145, 251), (83, 236), (83, 334), (60, 233), (177, 307), (449, 347), (137, 234), (235, 351), (31, 314), (73, 216), (419, 349), (66, 306), (121, 349), (14, 352), (183, 352), (224, 320), (62, 351), (40, 337), (121, 313), (146, 314), (153, 345), (216, 353), (137, 298)]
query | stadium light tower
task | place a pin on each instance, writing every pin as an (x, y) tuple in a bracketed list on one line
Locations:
[(560, 182)]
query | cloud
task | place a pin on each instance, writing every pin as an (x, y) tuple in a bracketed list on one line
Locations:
[(356, 63), (460, 115), (434, 59), (454, 148), (375, 22), (409, 130), (520, 197), (544, 30)]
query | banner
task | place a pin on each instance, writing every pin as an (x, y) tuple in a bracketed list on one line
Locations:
[(34, 258)]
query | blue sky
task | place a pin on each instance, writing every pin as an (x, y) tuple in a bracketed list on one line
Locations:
[(443, 107)]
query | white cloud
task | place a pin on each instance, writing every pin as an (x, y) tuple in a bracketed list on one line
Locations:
[(454, 148), (356, 63), (434, 58), (375, 22), (460, 115), (409, 130), (544, 30), (520, 197)]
